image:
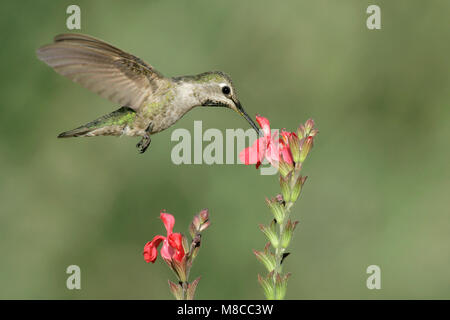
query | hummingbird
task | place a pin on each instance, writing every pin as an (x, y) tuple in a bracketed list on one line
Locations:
[(150, 102)]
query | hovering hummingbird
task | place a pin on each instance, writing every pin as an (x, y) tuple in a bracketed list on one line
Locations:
[(150, 102)]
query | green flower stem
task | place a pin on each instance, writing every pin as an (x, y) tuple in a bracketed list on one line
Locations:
[(280, 250), (190, 257), (280, 230), (184, 285), (278, 256)]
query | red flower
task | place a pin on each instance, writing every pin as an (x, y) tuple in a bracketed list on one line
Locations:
[(285, 150), (172, 244), (269, 147)]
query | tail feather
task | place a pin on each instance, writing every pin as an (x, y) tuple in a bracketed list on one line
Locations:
[(78, 132), (110, 124)]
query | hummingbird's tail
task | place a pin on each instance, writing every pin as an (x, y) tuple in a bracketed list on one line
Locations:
[(111, 124)]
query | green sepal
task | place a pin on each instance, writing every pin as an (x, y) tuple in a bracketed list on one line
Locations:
[(185, 245), (284, 167), (285, 190), (281, 286), (176, 290), (267, 286), (287, 233), (271, 235), (309, 125), (301, 131), (294, 145), (267, 259), (179, 268), (277, 210), (306, 147), (190, 292), (192, 230)]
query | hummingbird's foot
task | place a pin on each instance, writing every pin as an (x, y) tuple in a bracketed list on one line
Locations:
[(145, 141), (143, 144)]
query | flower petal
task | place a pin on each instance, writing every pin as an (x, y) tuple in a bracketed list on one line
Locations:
[(273, 152), (285, 152), (168, 220), (176, 241), (285, 135), (167, 251), (255, 153), (264, 124), (151, 249)]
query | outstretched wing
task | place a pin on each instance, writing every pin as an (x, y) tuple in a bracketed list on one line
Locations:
[(112, 73)]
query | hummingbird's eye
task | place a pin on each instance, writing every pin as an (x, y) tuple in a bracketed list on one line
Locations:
[(226, 90)]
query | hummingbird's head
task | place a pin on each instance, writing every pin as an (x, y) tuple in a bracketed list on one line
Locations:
[(218, 91)]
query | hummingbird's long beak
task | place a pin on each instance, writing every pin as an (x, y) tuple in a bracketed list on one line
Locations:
[(242, 112)]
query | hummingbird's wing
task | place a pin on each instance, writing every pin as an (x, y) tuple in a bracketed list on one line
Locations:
[(102, 68)]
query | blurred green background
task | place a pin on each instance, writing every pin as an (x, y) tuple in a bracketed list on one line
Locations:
[(379, 174)]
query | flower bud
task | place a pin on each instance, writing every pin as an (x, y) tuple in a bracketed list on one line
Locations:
[(306, 147), (267, 286), (284, 167), (301, 131), (313, 132), (297, 189), (192, 230), (267, 259), (281, 286), (191, 289), (294, 145), (309, 125), (277, 210), (204, 215), (200, 222), (176, 290), (285, 190), (287, 233), (270, 234), (204, 226), (196, 222)]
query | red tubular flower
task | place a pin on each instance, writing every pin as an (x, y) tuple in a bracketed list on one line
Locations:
[(172, 247), (285, 150), (269, 147)]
